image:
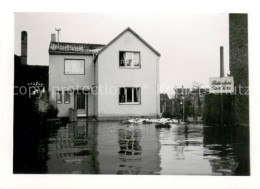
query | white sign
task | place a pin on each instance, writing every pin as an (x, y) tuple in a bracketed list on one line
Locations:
[(221, 85), (74, 67)]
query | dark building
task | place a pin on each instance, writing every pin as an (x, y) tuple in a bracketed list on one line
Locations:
[(24, 48), (165, 103), (238, 58), (232, 109), (27, 119), (179, 92), (29, 75)]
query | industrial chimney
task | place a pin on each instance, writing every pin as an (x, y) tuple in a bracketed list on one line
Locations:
[(24, 48), (222, 61), (53, 37)]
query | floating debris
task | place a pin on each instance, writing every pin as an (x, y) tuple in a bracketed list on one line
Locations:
[(73, 161), (149, 121), (163, 125)]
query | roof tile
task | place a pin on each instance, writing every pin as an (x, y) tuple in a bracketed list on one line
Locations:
[(74, 48)]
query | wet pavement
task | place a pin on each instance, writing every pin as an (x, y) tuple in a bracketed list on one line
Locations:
[(115, 148)]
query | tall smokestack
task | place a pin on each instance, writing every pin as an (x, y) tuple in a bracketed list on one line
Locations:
[(222, 61), (24, 48)]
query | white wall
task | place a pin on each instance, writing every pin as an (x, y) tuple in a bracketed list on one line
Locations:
[(110, 75), (57, 79)]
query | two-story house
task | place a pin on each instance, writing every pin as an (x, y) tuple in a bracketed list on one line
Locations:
[(111, 82)]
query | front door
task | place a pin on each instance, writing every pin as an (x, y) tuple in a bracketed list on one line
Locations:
[(80, 103)]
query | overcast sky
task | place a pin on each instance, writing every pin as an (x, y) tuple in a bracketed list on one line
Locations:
[(188, 43)]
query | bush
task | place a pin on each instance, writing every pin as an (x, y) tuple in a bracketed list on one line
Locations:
[(163, 125), (167, 114), (51, 112)]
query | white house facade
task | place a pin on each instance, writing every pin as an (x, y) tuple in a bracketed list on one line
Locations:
[(110, 82)]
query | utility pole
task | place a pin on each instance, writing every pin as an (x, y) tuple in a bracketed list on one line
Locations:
[(221, 75), (197, 86), (58, 31), (183, 111)]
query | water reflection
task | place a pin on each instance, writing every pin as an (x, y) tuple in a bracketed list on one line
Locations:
[(129, 143), (69, 150), (114, 148), (127, 149), (227, 149), (186, 136), (130, 151), (200, 150)]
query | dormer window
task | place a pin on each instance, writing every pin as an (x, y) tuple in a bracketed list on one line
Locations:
[(129, 59)]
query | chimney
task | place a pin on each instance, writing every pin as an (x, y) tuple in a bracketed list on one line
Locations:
[(53, 37), (24, 48), (222, 61)]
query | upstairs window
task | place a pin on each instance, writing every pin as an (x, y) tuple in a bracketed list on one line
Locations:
[(74, 67), (129, 59), (129, 95)]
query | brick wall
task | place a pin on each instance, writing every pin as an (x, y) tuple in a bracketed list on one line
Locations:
[(238, 48), (216, 113), (235, 108)]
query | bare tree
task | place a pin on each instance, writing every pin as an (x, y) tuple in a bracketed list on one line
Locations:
[(197, 85)]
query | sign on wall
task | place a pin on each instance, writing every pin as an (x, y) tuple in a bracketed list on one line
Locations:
[(221, 85), (76, 67)]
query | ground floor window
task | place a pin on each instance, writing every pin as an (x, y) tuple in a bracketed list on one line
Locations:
[(129, 95), (66, 97), (59, 97)]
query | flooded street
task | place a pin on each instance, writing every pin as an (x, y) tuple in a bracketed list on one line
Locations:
[(115, 148)]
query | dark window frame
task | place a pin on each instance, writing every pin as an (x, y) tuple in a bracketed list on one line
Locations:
[(68, 93), (58, 102), (129, 103), (130, 67)]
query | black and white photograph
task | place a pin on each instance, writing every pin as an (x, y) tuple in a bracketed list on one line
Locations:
[(90, 98), (104, 98)]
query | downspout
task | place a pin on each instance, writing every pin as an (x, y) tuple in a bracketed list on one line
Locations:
[(157, 88), (94, 83)]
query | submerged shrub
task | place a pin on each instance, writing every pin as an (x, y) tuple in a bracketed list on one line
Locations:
[(167, 114), (51, 112)]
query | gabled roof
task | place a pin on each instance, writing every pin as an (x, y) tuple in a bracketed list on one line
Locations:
[(74, 48), (135, 34)]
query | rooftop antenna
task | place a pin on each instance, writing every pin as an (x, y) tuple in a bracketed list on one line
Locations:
[(58, 30)]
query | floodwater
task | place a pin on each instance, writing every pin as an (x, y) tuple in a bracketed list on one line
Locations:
[(115, 148)]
